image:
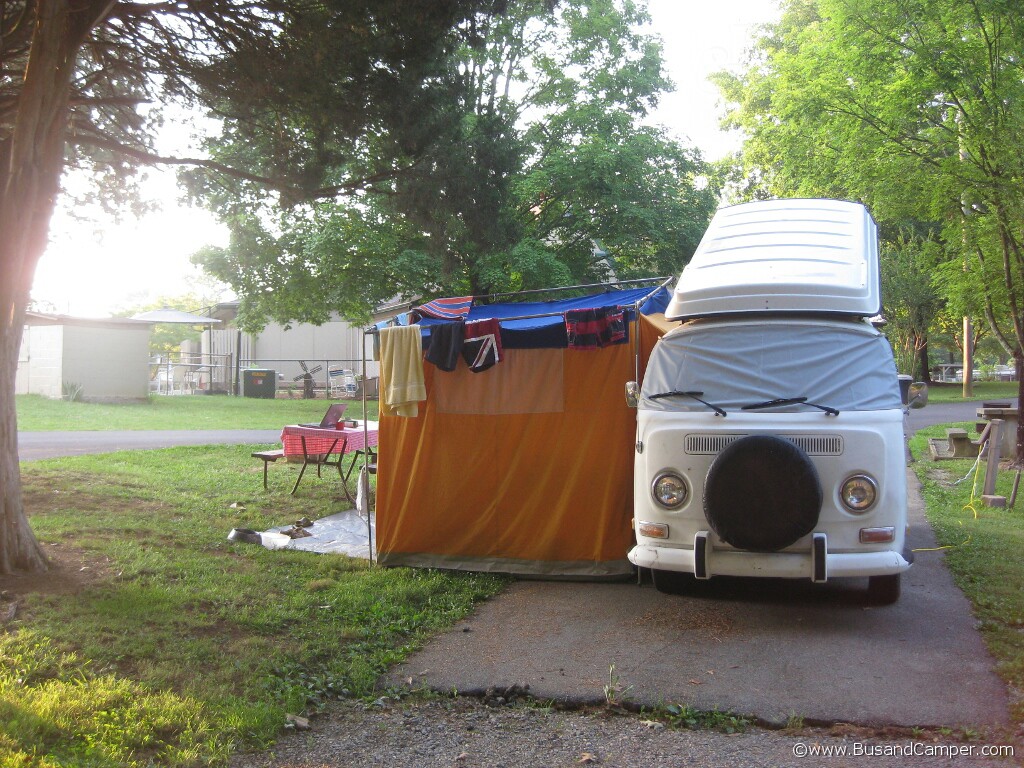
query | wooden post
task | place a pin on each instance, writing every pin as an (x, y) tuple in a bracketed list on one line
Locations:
[(995, 443)]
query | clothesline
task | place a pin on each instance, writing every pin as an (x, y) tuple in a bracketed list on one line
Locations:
[(525, 317)]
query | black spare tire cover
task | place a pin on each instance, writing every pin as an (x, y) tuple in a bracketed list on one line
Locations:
[(762, 493)]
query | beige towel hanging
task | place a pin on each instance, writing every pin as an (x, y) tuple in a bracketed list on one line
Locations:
[(401, 371)]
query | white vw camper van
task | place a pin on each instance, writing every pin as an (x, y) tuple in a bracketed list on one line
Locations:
[(770, 422)]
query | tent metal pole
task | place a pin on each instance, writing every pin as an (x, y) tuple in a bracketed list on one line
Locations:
[(665, 284), (534, 317), (572, 287), (636, 343), (366, 455), (527, 317)]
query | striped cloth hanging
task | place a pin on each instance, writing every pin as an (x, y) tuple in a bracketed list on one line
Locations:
[(454, 308)]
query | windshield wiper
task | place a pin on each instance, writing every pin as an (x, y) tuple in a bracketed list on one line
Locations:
[(780, 401), (693, 396)]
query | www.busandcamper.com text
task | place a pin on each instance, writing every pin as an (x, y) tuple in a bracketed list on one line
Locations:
[(906, 749)]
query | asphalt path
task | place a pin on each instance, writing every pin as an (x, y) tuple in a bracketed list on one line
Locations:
[(49, 445), (942, 413)]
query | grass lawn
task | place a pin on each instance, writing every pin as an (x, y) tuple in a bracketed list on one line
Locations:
[(984, 546), (982, 390), (157, 641), (41, 414)]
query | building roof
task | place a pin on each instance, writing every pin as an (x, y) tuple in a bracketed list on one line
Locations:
[(119, 323)]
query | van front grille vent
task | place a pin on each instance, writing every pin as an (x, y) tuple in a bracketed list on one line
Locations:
[(812, 445)]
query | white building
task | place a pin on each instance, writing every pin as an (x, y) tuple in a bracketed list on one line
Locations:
[(95, 360)]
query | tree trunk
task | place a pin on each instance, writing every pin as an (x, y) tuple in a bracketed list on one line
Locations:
[(19, 550), (968, 388), (924, 370), (31, 163), (1018, 366)]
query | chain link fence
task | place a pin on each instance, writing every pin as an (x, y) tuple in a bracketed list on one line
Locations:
[(204, 373)]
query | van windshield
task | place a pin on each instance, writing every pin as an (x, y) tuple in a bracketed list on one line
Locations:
[(847, 367)]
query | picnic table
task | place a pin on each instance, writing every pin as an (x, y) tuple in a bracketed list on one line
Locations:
[(1010, 416), (327, 447)]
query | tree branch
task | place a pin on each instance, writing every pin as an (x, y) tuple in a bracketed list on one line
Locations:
[(293, 192), (106, 101)]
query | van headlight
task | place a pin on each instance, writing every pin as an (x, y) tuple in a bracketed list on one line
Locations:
[(859, 493), (669, 490)]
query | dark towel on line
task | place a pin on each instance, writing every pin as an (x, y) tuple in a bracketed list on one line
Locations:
[(482, 347), (595, 328), (445, 345)]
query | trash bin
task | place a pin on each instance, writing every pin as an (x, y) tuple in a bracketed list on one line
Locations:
[(259, 383), (905, 382)]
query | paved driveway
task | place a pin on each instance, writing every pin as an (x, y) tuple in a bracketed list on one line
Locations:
[(768, 650)]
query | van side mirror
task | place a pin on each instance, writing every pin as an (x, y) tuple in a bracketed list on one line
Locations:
[(918, 395), (632, 394)]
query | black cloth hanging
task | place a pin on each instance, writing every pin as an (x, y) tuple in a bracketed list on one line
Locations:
[(445, 345)]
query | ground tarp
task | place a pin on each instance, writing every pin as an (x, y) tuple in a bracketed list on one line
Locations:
[(524, 468)]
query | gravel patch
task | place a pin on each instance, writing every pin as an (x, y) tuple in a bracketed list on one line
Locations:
[(466, 733)]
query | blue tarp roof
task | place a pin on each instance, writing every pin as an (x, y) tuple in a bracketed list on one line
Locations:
[(535, 331)]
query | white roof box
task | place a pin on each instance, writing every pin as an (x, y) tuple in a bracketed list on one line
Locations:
[(783, 256)]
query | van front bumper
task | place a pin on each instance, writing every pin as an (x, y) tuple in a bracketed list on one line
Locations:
[(786, 565)]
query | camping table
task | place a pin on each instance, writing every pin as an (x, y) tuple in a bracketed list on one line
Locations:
[(316, 445)]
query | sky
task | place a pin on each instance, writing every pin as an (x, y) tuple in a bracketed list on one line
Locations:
[(701, 37), (99, 267)]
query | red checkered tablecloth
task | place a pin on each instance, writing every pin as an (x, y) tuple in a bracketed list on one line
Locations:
[(319, 441)]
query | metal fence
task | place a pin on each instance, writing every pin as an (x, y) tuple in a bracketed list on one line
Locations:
[(333, 378), (190, 374), (204, 373)]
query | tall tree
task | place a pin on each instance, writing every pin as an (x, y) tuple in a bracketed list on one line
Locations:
[(911, 300), (76, 79), (541, 175), (915, 107)]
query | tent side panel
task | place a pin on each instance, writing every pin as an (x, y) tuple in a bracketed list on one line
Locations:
[(567, 495), (435, 486), (531, 492)]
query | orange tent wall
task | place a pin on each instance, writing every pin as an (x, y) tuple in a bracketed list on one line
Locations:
[(524, 468)]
